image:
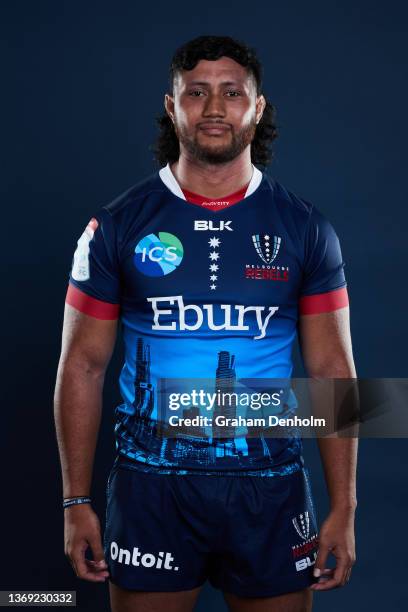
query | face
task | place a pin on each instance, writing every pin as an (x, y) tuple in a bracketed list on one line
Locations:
[(215, 110)]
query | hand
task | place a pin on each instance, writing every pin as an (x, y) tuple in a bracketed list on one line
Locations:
[(336, 536), (82, 529)]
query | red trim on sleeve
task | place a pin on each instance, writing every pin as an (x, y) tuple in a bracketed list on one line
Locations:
[(323, 302), (90, 305)]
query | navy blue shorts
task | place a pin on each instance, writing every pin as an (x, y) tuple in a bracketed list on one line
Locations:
[(252, 536)]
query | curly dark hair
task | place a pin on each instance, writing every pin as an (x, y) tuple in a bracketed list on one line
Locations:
[(186, 57)]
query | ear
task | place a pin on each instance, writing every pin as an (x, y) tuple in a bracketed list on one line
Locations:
[(260, 107), (169, 106)]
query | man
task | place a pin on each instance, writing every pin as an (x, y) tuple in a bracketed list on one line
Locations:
[(211, 266)]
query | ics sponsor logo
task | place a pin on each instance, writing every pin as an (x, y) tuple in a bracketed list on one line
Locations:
[(135, 557), (158, 255)]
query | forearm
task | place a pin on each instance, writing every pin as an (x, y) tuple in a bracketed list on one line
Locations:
[(327, 353), (77, 413), (339, 460), (333, 398)]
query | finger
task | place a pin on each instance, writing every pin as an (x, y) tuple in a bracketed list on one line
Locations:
[(321, 560), (342, 566), (96, 567), (81, 568), (95, 542), (74, 555), (348, 574), (336, 580), (323, 578)]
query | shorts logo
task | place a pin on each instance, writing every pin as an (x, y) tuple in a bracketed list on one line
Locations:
[(265, 251), (302, 525), (303, 564), (160, 561), (80, 266), (158, 255), (304, 554)]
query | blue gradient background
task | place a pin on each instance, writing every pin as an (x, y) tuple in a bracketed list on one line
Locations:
[(81, 83)]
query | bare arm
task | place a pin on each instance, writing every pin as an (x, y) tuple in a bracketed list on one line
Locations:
[(327, 353), (87, 346)]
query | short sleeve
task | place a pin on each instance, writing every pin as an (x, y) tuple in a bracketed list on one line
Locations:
[(324, 286), (94, 280)]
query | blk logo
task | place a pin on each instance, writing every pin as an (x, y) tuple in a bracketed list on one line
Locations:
[(303, 564), (213, 226)]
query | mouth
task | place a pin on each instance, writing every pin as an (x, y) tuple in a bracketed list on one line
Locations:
[(214, 129)]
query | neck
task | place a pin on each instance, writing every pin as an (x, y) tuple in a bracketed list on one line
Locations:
[(213, 180)]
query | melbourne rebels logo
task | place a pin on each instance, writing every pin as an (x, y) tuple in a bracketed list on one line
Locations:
[(302, 524), (158, 255), (304, 554), (267, 248), (267, 251)]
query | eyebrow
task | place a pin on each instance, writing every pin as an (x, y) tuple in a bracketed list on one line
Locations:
[(205, 83)]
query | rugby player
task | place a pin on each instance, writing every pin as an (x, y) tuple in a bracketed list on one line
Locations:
[(212, 268)]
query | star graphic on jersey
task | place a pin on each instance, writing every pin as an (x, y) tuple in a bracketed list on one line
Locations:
[(213, 286), (213, 267), (213, 277), (214, 256), (266, 237), (214, 242)]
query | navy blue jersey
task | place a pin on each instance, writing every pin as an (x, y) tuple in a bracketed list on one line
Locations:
[(210, 294)]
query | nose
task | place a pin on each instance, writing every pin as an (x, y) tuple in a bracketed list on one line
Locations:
[(215, 106)]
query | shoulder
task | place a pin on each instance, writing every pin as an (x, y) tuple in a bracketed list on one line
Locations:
[(131, 200), (290, 202), (304, 213)]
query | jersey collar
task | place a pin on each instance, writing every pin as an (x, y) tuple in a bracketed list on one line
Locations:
[(171, 183)]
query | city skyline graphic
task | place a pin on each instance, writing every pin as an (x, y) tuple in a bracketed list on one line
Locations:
[(142, 437)]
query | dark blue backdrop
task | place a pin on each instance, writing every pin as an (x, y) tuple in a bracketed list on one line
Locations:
[(81, 84)]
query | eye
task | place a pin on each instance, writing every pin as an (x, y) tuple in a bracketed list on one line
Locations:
[(196, 93), (232, 93)]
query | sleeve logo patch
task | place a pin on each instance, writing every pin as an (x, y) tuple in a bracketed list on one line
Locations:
[(80, 266)]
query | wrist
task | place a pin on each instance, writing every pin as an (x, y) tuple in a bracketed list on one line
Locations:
[(77, 508), (69, 502), (343, 506), (67, 497)]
